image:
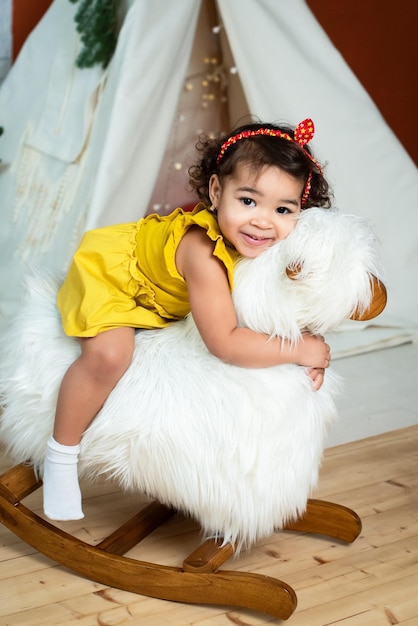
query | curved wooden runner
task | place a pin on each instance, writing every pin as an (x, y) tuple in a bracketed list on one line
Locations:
[(198, 581)]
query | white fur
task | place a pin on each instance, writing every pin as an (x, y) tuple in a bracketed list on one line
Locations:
[(238, 449)]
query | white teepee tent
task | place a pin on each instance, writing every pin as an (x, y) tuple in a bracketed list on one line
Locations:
[(84, 148)]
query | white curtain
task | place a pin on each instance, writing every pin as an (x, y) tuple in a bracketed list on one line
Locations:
[(137, 110), (82, 148)]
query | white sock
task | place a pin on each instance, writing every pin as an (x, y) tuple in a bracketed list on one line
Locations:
[(62, 495)]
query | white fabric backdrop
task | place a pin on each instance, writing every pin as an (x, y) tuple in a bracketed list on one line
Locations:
[(83, 147)]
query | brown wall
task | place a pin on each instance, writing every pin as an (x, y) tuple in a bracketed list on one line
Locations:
[(25, 15), (377, 38)]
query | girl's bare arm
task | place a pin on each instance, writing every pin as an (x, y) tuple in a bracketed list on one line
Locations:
[(214, 314)]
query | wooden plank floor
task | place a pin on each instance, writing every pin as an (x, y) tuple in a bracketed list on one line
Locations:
[(373, 582)]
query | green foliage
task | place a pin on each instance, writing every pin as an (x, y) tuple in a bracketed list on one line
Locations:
[(97, 23)]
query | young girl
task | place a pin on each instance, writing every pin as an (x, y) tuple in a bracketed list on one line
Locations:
[(148, 274)]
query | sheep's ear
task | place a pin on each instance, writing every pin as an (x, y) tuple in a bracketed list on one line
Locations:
[(377, 304), (293, 271)]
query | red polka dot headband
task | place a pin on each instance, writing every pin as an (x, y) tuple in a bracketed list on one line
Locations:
[(303, 134)]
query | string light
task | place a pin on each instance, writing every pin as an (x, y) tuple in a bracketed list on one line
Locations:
[(209, 90)]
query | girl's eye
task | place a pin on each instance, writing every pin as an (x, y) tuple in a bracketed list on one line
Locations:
[(283, 210), (247, 201)]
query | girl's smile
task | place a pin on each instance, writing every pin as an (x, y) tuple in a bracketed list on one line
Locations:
[(256, 210)]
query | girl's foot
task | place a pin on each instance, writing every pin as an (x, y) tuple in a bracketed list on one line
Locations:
[(62, 495)]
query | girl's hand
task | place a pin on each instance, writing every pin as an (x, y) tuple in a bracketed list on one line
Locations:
[(312, 351), (317, 375)]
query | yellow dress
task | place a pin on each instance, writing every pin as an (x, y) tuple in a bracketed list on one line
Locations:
[(126, 275)]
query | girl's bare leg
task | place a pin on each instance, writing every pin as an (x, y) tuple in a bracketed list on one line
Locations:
[(84, 389)]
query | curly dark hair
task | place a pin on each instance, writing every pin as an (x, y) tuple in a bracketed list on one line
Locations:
[(258, 152)]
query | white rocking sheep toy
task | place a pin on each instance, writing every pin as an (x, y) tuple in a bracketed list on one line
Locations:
[(237, 449)]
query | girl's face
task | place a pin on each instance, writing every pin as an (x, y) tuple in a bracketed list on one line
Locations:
[(255, 210)]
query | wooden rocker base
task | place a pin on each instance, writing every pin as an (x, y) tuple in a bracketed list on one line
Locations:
[(199, 580)]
